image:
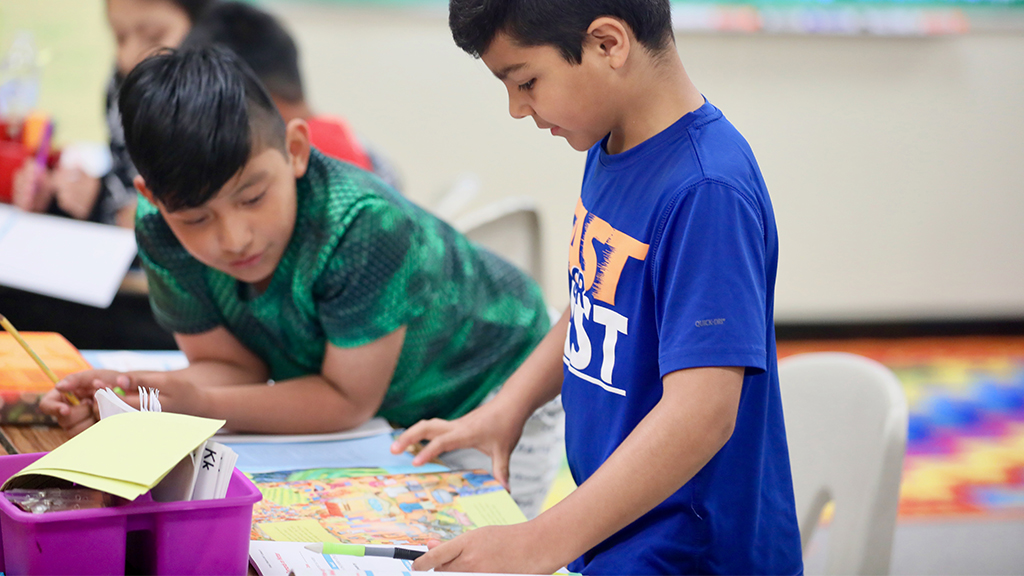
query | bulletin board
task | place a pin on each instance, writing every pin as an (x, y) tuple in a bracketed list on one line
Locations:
[(827, 17)]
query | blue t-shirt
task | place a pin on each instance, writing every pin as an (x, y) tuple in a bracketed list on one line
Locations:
[(672, 266)]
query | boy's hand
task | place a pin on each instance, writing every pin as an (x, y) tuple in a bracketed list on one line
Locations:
[(32, 187), (75, 419), (489, 428), (76, 191), (176, 394), (495, 549), (84, 384)]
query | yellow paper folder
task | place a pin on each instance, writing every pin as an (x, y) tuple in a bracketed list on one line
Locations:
[(125, 454)]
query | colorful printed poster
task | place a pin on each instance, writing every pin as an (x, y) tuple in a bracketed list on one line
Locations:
[(381, 509)]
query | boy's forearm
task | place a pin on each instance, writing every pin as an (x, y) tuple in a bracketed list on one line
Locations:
[(669, 446), (306, 405), (209, 373)]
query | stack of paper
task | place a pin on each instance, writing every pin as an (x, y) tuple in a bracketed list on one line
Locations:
[(109, 403), (202, 475), (125, 454), (216, 462)]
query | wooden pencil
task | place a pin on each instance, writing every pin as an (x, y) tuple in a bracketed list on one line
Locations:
[(49, 373)]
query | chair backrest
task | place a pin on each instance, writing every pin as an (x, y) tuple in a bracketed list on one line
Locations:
[(846, 424), (510, 228), (454, 200)]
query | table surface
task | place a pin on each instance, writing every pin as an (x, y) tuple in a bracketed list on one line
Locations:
[(21, 439)]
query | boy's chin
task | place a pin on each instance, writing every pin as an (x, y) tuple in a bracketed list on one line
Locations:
[(250, 277), (579, 144)]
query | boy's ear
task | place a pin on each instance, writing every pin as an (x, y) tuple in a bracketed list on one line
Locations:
[(610, 38), (296, 142), (140, 185)]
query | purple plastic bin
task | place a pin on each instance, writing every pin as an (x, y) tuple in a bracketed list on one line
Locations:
[(201, 537)]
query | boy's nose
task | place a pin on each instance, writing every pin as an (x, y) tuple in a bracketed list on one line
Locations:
[(235, 236), (517, 108)]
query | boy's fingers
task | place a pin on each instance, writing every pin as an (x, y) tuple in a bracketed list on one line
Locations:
[(76, 419), (443, 443), (81, 425), (401, 443), (438, 556), (422, 430), (57, 408), (499, 466), (142, 379), (69, 382), (84, 382), (130, 383)]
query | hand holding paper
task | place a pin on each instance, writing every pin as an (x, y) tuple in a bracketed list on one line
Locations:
[(83, 385), (495, 549), (175, 394)]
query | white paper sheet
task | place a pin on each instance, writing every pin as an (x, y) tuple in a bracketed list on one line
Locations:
[(69, 259), (128, 360), (284, 558), (372, 427)]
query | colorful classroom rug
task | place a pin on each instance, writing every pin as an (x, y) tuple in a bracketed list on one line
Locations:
[(965, 438), (965, 443)]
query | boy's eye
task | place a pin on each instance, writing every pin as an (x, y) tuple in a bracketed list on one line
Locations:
[(527, 85), (194, 221), (254, 200), (152, 37)]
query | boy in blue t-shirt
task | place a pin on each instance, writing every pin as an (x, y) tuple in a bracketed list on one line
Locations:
[(665, 358)]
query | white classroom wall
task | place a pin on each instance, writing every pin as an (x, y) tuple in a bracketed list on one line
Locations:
[(894, 163)]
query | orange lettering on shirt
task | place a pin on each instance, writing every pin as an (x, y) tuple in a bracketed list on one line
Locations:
[(601, 269), (577, 235)]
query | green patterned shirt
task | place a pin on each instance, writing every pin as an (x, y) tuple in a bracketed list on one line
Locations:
[(362, 262)]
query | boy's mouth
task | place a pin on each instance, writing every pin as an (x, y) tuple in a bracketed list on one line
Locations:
[(247, 262)]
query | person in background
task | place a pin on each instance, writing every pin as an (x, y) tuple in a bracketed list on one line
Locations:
[(140, 27), (262, 42)]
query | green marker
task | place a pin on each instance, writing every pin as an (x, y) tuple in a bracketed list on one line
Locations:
[(337, 548)]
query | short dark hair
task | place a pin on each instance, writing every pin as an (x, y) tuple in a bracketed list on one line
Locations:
[(192, 119), (258, 39), (194, 8), (559, 23)]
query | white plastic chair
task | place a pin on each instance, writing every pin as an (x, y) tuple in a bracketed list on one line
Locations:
[(454, 200), (510, 228), (846, 423)]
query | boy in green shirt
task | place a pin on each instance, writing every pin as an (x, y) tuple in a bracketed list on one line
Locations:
[(272, 263)]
